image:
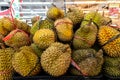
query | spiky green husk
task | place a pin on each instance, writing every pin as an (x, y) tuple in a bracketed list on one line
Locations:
[(47, 24), (35, 19), (75, 16), (18, 39), (22, 25), (85, 36), (43, 38), (8, 24), (89, 61), (106, 21), (26, 62), (112, 66), (104, 35), (42, 24), (4, 31), (112, 62), (112, 71), (64, 29), (54, 13), (56, 59), (36, 70), (6, 69)]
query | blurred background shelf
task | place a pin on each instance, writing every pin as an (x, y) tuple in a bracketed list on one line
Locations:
[(30, 8)]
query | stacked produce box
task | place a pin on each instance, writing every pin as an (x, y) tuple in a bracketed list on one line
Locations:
[(76, 43)]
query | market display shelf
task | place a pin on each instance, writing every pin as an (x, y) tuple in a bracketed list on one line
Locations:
[(92, 2), (76, 2), (47, 77), (108, 77), (35, 7), (68, 76)]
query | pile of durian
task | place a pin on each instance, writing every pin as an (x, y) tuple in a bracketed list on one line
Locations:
[(72, 42)]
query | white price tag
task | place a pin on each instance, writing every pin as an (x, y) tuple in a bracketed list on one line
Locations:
[(114, 10)]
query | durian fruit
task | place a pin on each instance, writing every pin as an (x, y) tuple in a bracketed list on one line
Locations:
[(47, 23), (55, 60), (26, 62), (95, 16), (106, 21), (54, 12), (75, 15), (64, 29), (22, 25), (111, 61), (34, 19), (35, 27), (43, 38), (6, 69), (16, 39), (8, 24), (109, 39), (112, 66), (88, 60), (112, 71), (42, 24), (85, 36), (3, 31)]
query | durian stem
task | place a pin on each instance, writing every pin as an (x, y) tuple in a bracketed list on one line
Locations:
[(103, 13), (90, 22), (53, 5), (99, 54), (95, 14), (69, 9)]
